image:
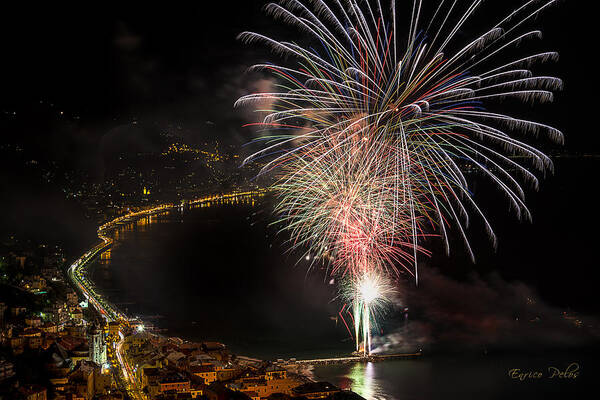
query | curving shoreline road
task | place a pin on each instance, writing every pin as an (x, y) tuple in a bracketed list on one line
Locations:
[(124, 375)]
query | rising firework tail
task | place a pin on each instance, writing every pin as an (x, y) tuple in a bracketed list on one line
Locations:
[(371, 297)]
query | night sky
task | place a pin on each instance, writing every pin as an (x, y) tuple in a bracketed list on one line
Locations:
[(181, 65), (77, 76)]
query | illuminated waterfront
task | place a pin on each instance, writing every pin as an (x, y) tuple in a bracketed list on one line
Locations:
[(273, 309), (120, 325), (384, 130), (280, 301)]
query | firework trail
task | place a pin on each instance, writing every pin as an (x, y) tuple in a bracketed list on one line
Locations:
[(338, 202), (370, 295), (375, 134)]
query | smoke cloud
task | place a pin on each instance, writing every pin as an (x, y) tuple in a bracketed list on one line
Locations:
[(480, 314)]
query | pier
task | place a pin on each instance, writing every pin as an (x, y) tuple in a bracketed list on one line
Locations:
[(359, 359)]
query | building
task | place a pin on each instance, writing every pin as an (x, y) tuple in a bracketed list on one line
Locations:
[(35, 342), (197, 390), (3, 309), (315, 390), (266, 388), (20, 260), (150, 378), (174, 382), (31, 332), (224, 372), (17, 344), (18, 310), (252, 395), (33, 321), (33, 392), (72, 298), (275, 372), (81, 382), (346, 395), (80, 352), (176, 359), (75, 331), (112, 396), (206, 371), (49, 327), (217, 391), (97, 346), (36, 283), (103, 381), (114, 327), (273, 380), (76, 314), (7, 370), (149, 375)]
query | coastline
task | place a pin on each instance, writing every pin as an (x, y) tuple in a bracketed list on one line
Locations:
[(123, 330), (361, 373)]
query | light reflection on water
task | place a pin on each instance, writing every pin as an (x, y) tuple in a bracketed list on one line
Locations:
[(429, 378), (364, 381), (389, 380), (459, 376)]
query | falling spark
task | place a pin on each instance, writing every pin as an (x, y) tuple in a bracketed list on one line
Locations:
[(375, 135)]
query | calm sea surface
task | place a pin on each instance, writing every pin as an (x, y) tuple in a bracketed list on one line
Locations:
[(221, 273)]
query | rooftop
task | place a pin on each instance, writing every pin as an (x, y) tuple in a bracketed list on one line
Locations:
[(174, 378), (195, 369), (315, 387)]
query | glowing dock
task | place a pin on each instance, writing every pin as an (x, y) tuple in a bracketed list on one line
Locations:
[(360, 359)]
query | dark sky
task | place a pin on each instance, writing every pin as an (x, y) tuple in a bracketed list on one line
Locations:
[(127, 60), (178, 66), (172, 65)]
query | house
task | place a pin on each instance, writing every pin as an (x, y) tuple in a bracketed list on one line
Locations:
[(150, 378), (224, 371), (252, 395), (197, 389), (315, 390), (33, 392), (175, 358), (275, 372), (33, 321), (217, 391), (206, 371), (174, 382), (49, 327)]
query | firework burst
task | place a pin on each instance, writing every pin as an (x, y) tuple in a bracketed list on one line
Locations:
[(376, 135), (370, 296)]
